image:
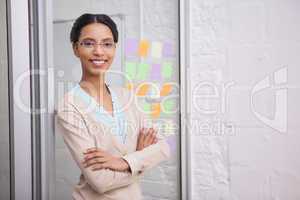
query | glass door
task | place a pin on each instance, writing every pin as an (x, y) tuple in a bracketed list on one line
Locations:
[(147, 53)]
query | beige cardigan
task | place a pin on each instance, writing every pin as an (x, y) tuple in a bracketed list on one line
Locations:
[(80, 131)]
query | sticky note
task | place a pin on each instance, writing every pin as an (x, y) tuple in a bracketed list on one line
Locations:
[(168, 106), (167, 50), (156, 72), (167, 70), (142, 71), (156, 49), (131, 47), (130, 70), (155, 110), (171, 140), (142, 89), (143, 48), (166, 89), (129, 86), (146, 108)]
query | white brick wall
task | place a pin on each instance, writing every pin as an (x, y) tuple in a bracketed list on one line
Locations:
[(245, 41)]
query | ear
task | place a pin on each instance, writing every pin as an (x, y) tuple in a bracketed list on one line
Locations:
[(75, 50)]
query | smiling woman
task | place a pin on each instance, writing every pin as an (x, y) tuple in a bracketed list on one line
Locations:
[(102, 128)]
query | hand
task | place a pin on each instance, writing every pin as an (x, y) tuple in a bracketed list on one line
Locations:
[(99, 159), (146, 138)]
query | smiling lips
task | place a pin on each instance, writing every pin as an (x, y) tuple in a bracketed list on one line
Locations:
[(98, 62)]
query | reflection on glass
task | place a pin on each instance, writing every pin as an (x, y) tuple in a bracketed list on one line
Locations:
[(147, 53), (4, 112)]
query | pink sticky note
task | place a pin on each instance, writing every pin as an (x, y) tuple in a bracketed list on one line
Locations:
[(156, 72), (171, 140), (168, 50), (131, 47)]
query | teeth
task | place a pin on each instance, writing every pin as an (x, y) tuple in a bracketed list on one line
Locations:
[(98, 62)]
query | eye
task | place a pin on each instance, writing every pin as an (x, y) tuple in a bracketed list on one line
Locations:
[(88, 43), (108, 44)]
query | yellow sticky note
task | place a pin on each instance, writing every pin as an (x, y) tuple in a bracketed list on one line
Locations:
[(166, 89), (129, 86), (156, 49), (142, 89), (143, 48)]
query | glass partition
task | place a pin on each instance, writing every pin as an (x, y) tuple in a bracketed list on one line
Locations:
[(147, 54)]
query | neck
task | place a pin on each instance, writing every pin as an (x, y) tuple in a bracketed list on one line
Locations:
[(94, 84)]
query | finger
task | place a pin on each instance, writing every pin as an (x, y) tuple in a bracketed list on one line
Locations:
[(105, 165), (154, 137), (94, 161), (149, 136), (142, 137), (97, 154), (93, 149), (141, 134), (97, 167)]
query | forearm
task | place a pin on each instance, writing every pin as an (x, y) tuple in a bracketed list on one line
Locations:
[(148, 157)]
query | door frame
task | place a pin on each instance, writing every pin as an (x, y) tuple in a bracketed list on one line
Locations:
[(19, 99), (184, 77), (47, 99)]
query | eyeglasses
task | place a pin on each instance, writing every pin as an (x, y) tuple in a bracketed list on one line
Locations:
[(107, 46)]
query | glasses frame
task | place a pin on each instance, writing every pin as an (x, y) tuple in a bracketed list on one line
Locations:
[(101, 44)]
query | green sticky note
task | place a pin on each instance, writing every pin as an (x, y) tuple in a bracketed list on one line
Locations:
[(168, 106), (147, 108), (167, 70), (130, 70), (142, 71)]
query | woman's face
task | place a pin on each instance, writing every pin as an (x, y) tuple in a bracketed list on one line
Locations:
[(95, 48)]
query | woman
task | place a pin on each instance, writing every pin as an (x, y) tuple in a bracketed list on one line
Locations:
[(103, 130)]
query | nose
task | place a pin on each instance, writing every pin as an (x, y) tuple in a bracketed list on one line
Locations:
[(98, 50)]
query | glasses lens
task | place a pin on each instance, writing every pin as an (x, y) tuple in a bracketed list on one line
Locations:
[(88, 44)]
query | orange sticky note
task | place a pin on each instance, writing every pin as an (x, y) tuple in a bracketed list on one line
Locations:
[(143, 48), (166, 89), (156, 110), (142, 90)]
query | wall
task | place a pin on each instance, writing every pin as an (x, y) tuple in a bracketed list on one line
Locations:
[(244, 133), (4, 112)]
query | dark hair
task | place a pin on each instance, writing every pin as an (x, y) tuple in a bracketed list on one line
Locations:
[(87, 19)]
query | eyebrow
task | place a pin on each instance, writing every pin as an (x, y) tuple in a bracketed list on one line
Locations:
[(103, 40)]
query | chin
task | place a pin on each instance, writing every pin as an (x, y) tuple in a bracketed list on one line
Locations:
[(97, 71)]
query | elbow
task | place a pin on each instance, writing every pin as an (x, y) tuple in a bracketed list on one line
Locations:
[(100, 188), (98, 184)]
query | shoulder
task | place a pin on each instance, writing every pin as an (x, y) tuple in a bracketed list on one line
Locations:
[(69, 102)]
